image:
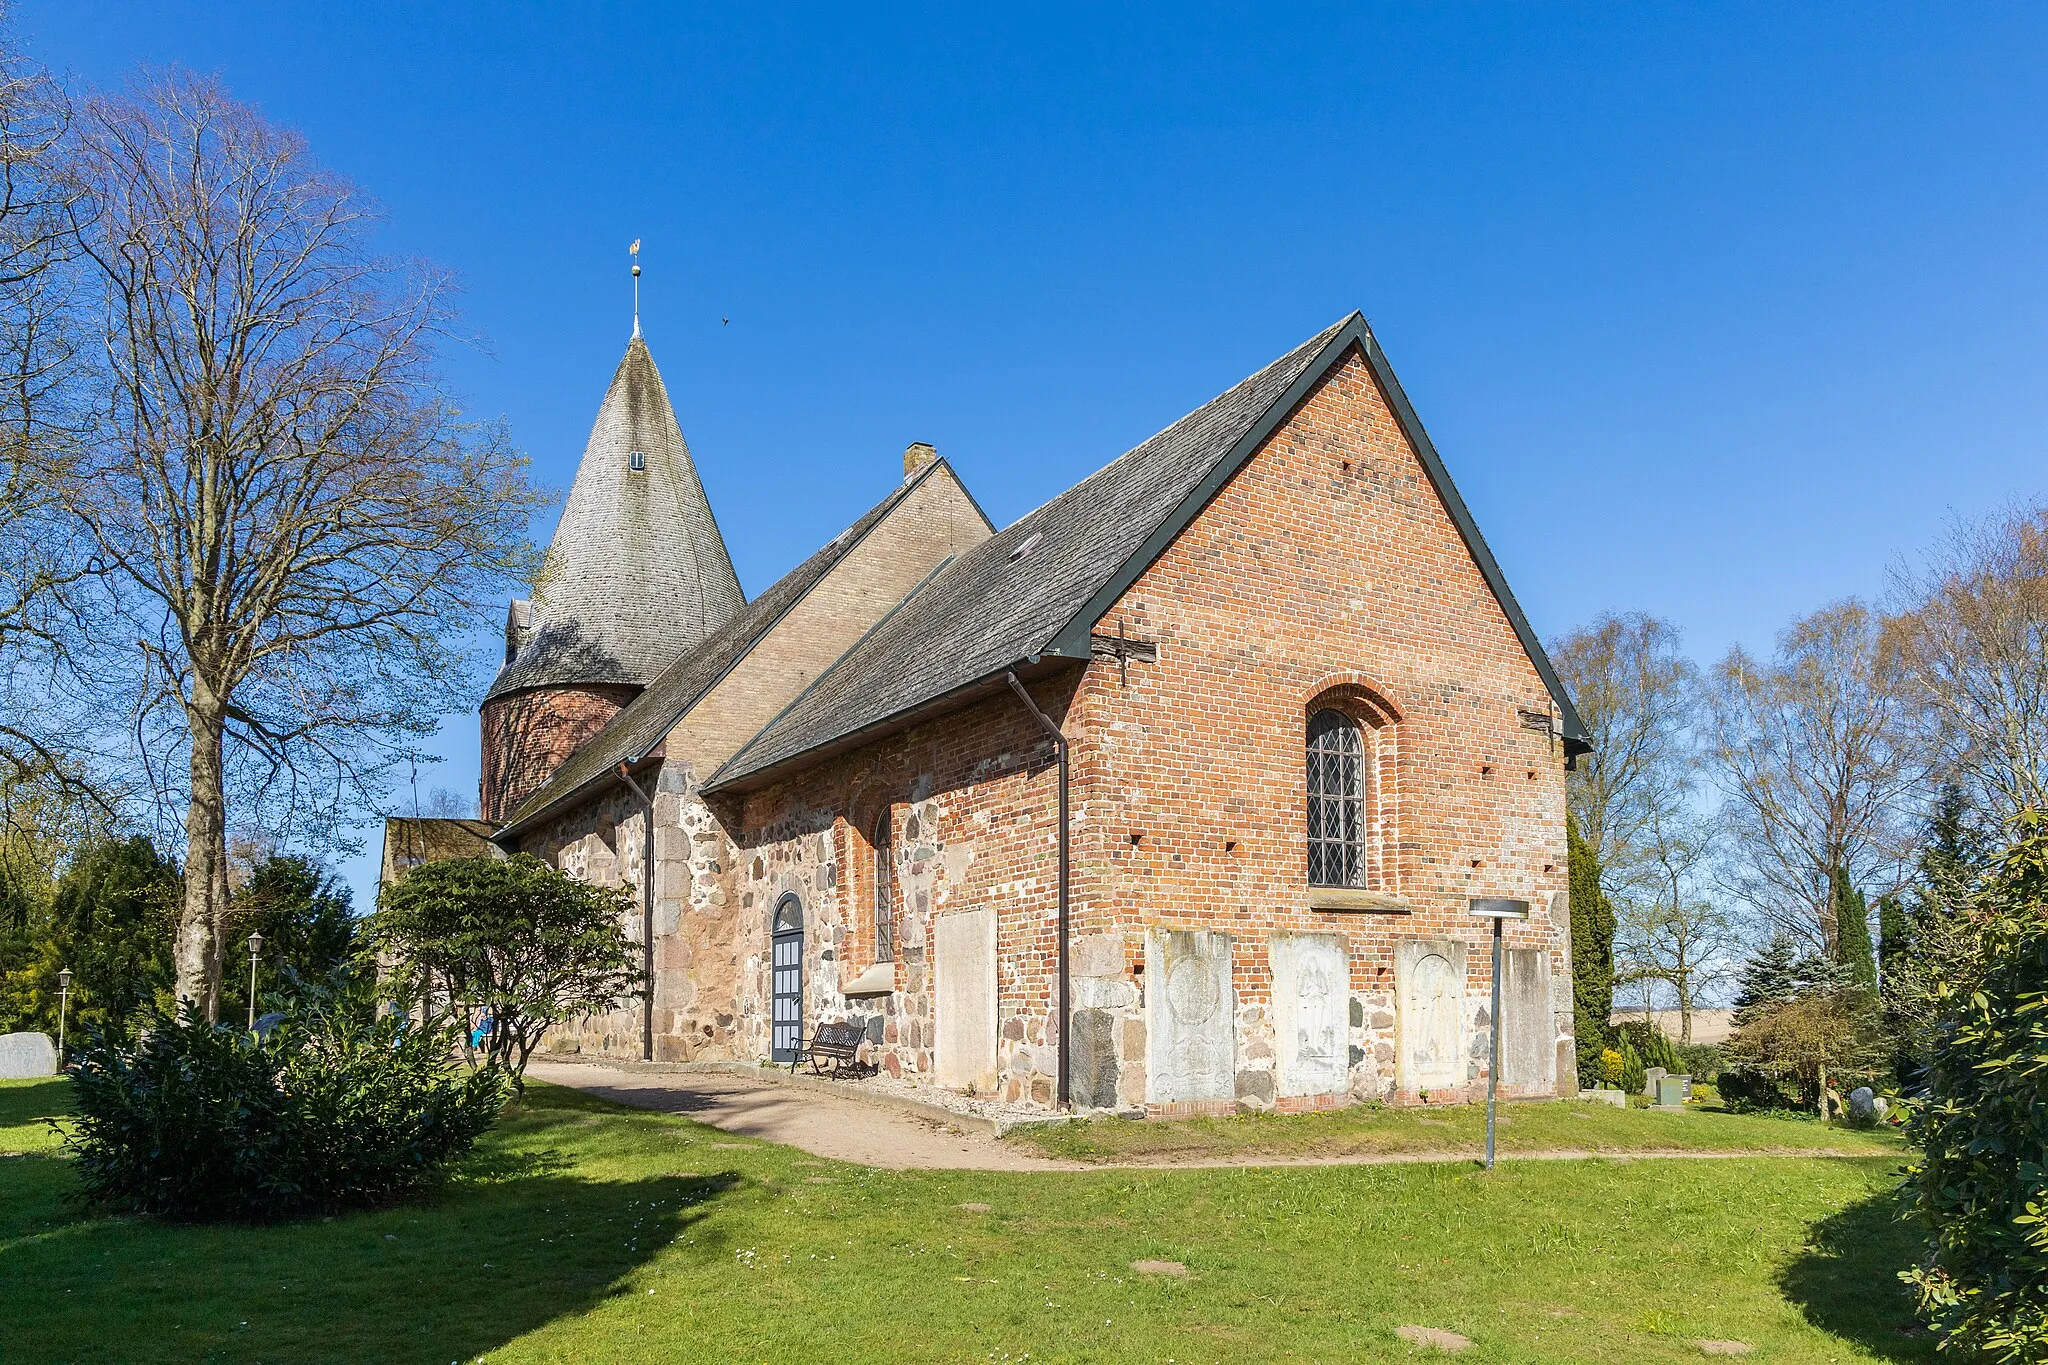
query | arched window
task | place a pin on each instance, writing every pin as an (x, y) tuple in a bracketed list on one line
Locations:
[(885, 893), (1337, 781)]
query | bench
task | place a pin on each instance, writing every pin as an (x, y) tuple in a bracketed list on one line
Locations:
[(838, 1044)]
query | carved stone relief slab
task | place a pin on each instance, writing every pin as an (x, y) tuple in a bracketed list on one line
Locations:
[(1429, 980), (1311, 996), (1191, 1043)]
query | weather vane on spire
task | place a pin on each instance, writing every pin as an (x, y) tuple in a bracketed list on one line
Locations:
[(634, 252)]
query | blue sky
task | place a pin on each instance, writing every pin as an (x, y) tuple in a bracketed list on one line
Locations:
[(1713, 312)]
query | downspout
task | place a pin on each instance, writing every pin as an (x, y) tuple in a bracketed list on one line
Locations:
[(1059, 744), (646, 921)]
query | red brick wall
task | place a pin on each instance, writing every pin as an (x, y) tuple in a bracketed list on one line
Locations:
[(1327, 568), (528, 735)]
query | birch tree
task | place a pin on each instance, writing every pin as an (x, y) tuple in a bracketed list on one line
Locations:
[(1814, 768), (1669, 929), (297, 527), (1638, 695), (1970, 640)]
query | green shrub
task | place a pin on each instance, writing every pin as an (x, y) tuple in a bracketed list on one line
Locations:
[(1652, 1045), (200, 1123), (1633, 1074), (1980, 1188), (1701, 1061), (1748, 1091)]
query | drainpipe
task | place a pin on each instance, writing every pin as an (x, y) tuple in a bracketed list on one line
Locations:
[(646, 920), (1059, 744)]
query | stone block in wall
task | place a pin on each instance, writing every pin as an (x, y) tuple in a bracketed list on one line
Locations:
[(1092, 1075), (1528, 1051), (1103, 993), (1429, 1015), (1191, 1035), (1311, 994), (1097, 955)]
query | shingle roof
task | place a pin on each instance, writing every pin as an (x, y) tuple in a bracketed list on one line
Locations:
[(987, 611), (1037, 588), (638, 573), (648, 718)]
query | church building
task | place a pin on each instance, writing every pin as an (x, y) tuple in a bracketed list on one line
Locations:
[(1176, 795)]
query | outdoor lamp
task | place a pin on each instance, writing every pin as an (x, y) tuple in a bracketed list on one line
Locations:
[(1497, 909), (63, 1008), (255, 947)]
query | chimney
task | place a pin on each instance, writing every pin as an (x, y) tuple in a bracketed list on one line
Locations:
[(916, 456)]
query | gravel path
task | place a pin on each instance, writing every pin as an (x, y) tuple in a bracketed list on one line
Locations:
[(860, 1127), (842, 1127)]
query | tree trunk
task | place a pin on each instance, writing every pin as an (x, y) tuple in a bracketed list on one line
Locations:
[(196, 952)]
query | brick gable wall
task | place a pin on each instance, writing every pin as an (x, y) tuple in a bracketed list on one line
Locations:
[(1326, 569)]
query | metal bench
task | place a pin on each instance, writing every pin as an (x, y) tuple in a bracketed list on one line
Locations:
[(838, 1044)]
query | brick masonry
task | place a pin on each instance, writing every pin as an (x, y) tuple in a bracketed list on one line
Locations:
[(1325, 573)]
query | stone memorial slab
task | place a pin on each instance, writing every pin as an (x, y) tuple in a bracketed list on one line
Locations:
[(1429, 1019), (1863, 1107), (1091, 1079), (1311, 993), (964, 982), (1528, 1051), (27, 1056), (1191, 1038)]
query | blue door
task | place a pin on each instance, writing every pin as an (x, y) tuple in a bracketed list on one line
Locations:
[(786, 990)]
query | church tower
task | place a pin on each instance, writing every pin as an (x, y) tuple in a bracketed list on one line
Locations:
[(636, 575)]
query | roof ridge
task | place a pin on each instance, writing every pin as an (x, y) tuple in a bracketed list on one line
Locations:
[(819, 563)]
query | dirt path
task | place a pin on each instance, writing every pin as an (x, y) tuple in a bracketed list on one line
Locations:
[(848, 1128), (842, 1128)]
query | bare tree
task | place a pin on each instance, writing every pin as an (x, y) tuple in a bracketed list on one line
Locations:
[(300, 532), (1638, 695), (1669, 930), (41, 565), (1970, 639), (1814, 768)]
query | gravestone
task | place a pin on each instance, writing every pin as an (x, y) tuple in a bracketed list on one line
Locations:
[(1652, 1075), (1528, 1055), (1191, 1039), (1311, 992), (964, 982), (1429, 1021), (27, 1056), (1863, 1107)]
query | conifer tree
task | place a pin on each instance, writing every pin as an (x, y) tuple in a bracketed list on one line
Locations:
[(1852, 933), (1592, 955)]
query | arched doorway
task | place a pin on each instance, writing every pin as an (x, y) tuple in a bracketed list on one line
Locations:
[(786, 980)]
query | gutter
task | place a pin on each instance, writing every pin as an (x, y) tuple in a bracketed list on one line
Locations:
[(1060, 747), (646, 921)]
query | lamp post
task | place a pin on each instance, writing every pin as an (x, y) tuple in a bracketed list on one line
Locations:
[(255, 947), (1497, 909), (63, 1008)]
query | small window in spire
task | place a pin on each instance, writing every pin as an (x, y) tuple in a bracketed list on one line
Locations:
[(637, 462)]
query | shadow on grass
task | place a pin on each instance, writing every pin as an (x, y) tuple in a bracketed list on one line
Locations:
[(21, 1105), (1847, 1282), (518, 1239)]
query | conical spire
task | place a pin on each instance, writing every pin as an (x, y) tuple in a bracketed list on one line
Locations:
[(637, 572)]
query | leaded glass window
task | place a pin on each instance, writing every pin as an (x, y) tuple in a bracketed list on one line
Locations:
[(1337, 779), (885, 894)]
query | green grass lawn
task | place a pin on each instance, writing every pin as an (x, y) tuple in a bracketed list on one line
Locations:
[(1375, 1131), (587, 1232)]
